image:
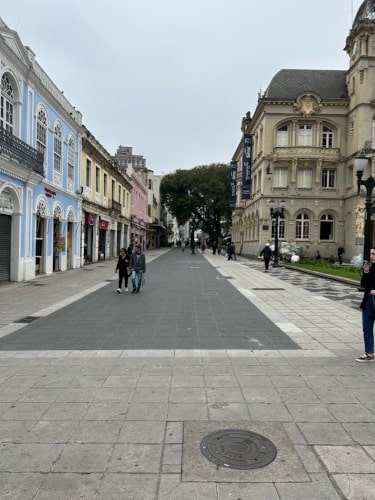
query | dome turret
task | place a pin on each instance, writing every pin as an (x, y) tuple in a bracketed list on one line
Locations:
[(366, 11)]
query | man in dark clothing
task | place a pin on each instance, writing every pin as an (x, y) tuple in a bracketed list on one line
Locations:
[(231, 252), (340, 253), (267, 255)]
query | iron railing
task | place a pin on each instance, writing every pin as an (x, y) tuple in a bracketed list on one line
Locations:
[(21, 151)]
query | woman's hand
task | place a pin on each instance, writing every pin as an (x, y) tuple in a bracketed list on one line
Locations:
[(366, 266)]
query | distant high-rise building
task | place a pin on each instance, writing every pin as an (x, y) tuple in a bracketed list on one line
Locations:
[(124, 157)]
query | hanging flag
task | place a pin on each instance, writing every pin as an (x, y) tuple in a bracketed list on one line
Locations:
[(233, 185), (246, 166)]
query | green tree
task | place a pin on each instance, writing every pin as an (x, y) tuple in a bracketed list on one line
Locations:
[(201, 193)]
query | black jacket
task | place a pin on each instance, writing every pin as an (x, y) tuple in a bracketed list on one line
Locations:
[(122, 264), (368, 283), (266, 252)]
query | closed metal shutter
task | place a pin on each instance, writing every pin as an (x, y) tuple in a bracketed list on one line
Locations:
[(5, 231)]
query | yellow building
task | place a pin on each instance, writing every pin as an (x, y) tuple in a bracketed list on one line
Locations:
[(303, 138), (106, 202)]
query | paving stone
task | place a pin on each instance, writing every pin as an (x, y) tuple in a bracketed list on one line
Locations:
[(136, 458), (356, 486), (325, 433), (33, 457), (84, 458), (345, 459), (150, 432), (19, 486), (320, 488), (70, 486)]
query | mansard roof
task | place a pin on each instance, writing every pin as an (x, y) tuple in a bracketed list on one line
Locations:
[(288, 84)]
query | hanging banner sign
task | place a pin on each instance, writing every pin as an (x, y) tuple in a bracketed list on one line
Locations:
[(246, 166), (233, 185), (103, 224)]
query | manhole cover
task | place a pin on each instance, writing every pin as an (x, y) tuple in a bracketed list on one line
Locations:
[(238, 449)]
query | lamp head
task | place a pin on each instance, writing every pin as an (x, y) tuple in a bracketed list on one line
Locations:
[(360, 163)]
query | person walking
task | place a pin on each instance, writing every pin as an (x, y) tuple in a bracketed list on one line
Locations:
[(340, 253), (231, 251), (123, 270), (368, 311), (138, 268), (267, 255)]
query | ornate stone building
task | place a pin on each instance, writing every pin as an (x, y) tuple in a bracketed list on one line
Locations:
[(305, 133)]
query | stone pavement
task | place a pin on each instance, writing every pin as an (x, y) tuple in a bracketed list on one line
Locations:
[(124, 422)]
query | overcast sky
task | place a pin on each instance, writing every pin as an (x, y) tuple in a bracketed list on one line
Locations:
[(173, 78)]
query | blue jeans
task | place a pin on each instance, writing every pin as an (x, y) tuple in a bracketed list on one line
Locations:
[(368, 325), (137, 278)]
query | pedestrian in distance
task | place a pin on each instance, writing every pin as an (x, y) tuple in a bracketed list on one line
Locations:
[(129, 250), (214, 247), (317, 255), (183, 245), (231, 251), (367, 306), (267, 255), (123, 270), (138, 268), (340, 253)]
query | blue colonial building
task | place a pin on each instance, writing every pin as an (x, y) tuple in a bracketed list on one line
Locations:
[(40, 150)]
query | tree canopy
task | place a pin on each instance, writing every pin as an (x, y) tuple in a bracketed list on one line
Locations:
[(201, 193)]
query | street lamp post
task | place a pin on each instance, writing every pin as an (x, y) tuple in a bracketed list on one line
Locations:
[(360, 163), (276, 214)]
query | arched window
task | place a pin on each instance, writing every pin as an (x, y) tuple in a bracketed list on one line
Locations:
[(41, 133), (71, 152), (7, 104), (57, 147), (282, 136), (326, 227), (327, 137), (302, 227)]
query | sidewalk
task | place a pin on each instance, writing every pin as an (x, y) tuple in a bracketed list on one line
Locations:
[(100, 424)]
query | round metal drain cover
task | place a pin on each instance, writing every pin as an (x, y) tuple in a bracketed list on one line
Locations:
[(238, 449)]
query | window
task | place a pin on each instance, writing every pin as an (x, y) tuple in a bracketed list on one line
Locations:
[(280, 177), (119, 194), (57, 147), (105, 184), (71, 152), (281, 234), (7, 100), (305, 135), (113, 189), (149, 184), (282, 136), (149, 210), (97, 179), (326, 227), (304, 178), (88, 173), (328, 178), (327, 137), (302, 227), (373, 132), (41, 133)]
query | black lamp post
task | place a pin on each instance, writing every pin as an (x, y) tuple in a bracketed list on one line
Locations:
[(360, 163), (275, 215)]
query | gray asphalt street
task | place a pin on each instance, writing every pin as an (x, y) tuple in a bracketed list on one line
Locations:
[(110, 396)]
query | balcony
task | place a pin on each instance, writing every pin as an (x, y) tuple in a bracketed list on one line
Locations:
[(21, 152), (116, 207), (306, 153)]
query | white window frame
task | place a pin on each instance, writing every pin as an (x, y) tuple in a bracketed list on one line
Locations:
[(7, 104), (304, 178), (57, 147), (328, 178), (305, 135), (328, 137), (302, 227), (282, 136), (280, 177)]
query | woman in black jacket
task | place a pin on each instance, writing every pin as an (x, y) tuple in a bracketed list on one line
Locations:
[(368, 311), (123, 269)]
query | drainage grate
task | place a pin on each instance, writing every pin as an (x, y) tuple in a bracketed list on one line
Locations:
[(37, 284), (268, 289), (27, 319), (238, 449)]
